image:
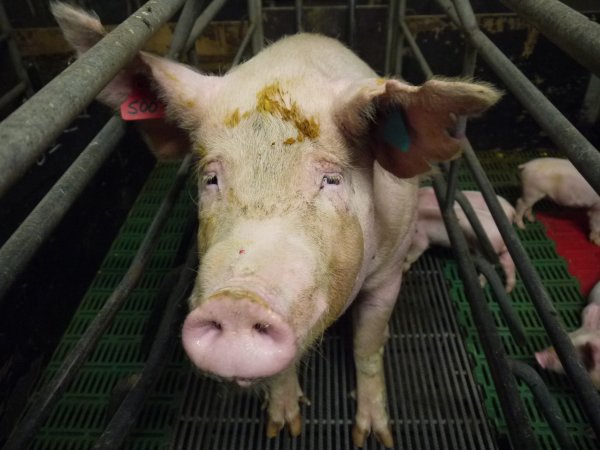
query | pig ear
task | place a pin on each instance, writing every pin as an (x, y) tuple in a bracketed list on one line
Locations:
[(590, 317), (590, 354), (409, 124)]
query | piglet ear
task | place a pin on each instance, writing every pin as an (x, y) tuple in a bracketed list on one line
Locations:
[(590, 353), (408, 125), (590, 317)]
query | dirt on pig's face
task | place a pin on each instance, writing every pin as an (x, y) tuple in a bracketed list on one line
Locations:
[(278, 214)]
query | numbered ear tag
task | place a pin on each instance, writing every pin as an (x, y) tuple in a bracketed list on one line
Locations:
[(142, 104)]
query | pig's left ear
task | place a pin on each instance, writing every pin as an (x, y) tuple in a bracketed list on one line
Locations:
[(408, 126), (185, 92)]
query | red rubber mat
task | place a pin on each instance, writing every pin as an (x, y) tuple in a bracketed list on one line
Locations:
[(569, 229)]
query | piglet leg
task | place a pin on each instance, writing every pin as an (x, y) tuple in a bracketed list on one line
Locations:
[(284, 396), (371, 317)]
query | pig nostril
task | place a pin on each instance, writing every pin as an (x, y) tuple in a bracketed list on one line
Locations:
[(261, 328), (216, 325)]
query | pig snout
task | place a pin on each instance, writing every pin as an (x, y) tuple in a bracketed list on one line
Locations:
[(238, 337)]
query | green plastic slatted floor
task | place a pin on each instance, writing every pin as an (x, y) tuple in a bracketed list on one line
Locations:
[(80, 416)]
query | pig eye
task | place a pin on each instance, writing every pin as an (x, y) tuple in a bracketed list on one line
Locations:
[(334, 179), (210, 178)]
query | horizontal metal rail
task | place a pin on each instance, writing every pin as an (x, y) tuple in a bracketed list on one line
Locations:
[(573, 32), (30, 129), (50, 393), (39, 224)]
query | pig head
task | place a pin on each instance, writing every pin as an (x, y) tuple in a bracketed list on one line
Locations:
[(305, 204)]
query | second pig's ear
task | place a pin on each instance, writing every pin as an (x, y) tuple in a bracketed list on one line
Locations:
[(590, 354), (590, 317), (408, 126)]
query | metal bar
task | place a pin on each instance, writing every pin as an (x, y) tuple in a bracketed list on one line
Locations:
[(352, 23), (25, 241), (517, 421), (13, 50), (590, 110), (201, 22), (12, 94), (584, 156), (391, 36), (50, 393), (190, 11), (570, 30), (510, 316), (30, 129), (399, 57), (238, 56), (121, 423), (255, 11), (299, 16), (587, 393), (416, 50), (546, 403)]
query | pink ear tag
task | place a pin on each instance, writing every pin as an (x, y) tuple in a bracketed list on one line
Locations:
[(142, 104)]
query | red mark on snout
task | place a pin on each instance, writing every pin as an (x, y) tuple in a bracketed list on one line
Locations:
[(242, 251)]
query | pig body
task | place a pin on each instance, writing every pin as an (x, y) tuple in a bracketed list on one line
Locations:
[(585, 339), (305, 208), (562, 183), (430, 229)]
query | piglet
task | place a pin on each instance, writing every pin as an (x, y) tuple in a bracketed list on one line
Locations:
[(586, 341), (560, 181), (431, 230)]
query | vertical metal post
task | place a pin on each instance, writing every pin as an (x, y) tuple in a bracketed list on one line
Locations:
[(299, 13), (255, 13), (392, 36), (400, 38), (352, 23)]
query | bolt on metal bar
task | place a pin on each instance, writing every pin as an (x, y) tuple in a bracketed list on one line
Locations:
[(510, 316), (584, 156), (201, 22), (587, 393), (31, 128), (121, 423), (570, 30), (18, 250), (190, 11), (50, 393), (546, 403), (517, 421)]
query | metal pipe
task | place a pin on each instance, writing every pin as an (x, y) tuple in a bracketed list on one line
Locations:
[(51, 392), (510, 316), (391, 36), (584, 156), (255, 11), (416, 50), (190, 11), (352, 24), (546, 403), (30, 129), (12, 94), (13, 50), (517, 421), (399, 57), (238, 56), (570, 30), (39, 224), (587, 393), (299, 16), (123, 420), (201, 22)]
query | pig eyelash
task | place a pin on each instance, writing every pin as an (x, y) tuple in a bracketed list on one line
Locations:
[(334, 179)]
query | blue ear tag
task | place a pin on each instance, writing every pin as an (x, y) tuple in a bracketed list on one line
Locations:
[(394, 131)]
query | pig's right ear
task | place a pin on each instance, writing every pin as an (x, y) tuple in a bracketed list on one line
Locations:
[(408, 126)]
